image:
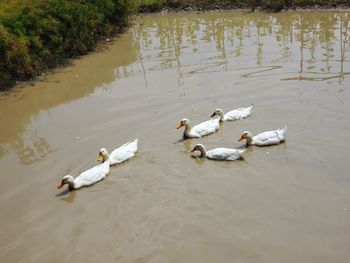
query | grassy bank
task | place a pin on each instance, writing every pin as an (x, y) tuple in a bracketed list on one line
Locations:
[(37, 35)]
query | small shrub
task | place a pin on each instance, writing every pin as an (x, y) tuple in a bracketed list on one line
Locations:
[(40, 34)]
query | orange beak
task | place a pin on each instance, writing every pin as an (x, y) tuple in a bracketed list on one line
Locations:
[(179, 126), (100, 158), (240, 139), (60, 186)]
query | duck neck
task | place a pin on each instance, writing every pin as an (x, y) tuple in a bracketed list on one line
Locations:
[(71, 185), (221, 116), (250, 140), (203, 151), (187, 131), (105, 156)]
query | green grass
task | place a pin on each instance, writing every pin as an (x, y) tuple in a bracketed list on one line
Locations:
[(37, 35)]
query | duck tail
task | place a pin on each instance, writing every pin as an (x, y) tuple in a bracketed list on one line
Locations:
[(248, 109), (132, 145), (135, 143), (242, 151), (283, 132)]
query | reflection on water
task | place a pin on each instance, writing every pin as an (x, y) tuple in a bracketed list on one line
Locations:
[(251, 44), (279, 204), (19, 106), (34, 149), (67, 196), (209, 43), (188, 145)]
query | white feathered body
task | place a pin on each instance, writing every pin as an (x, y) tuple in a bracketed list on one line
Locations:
[(124, 152), (204, 128), (224, 154), (238, 114), (270, 137), (92, 176)]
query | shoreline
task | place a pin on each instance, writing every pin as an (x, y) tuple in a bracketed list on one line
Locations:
[(18, 83), (167, 10), (240, 10)]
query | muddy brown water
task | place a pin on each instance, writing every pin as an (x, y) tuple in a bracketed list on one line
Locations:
[(289, 203)]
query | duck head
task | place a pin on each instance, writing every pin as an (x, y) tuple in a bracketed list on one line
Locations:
[(103, 155), (183, 122), (218, 112), (246, 136), (67, 179), (201, 148)]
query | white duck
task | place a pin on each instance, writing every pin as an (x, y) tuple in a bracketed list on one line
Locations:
[(223, 154), (265, 138), (119, 155), (86, 178), (199, 130), (233, 115)]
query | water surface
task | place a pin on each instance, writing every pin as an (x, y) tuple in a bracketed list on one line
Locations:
[(288, 203)]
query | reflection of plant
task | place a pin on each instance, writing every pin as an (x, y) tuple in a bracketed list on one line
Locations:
[(2, 150), (36, 152), (172, 37)]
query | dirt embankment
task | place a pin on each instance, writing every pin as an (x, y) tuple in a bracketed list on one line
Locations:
[(249, 5)]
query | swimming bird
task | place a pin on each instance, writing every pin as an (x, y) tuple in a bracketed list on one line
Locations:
[(199, 130), (265, 138), (233, 115), (222, 154), (89, 177), (119, 155)]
